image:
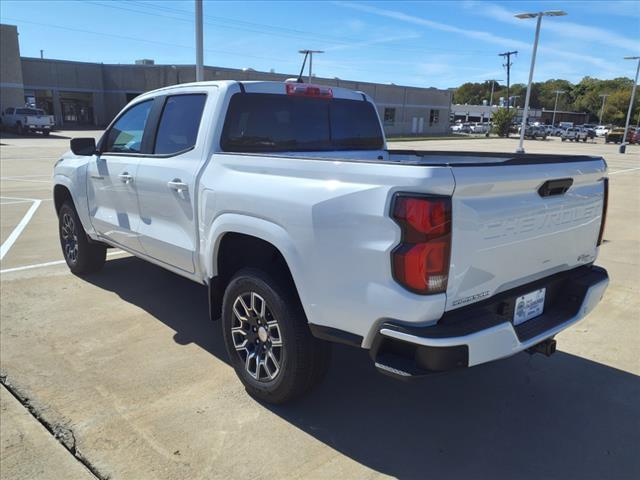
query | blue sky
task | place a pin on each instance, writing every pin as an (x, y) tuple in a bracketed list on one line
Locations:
[(440, 44)]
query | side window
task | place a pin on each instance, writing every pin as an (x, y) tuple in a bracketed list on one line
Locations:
[(389, 116), (179, 124), (125, 135), (9, 111), (434, 116)]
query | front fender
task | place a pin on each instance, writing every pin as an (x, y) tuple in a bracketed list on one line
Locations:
[(75, 181)]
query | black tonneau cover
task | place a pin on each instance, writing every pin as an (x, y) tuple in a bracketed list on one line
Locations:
[(483, 159)]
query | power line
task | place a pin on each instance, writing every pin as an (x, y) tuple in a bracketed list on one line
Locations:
[(144, 40), (190, 47), (222, 22)]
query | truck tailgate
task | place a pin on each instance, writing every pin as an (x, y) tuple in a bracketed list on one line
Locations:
[(508, 231)]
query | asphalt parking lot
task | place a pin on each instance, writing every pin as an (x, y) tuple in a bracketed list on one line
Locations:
[(120, 374)]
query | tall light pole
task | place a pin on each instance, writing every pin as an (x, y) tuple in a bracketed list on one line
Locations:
[(604, 99), (623, 145), (555, 107), (199, 41), (493, 84), (310, 53), (538, 15)]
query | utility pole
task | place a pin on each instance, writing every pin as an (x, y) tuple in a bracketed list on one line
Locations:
[(309, 53), (508, 67), (604, 99), (555, 107), (623, 145), (41, 53), (199, 42)]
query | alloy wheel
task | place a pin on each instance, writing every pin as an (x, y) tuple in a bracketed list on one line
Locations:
[(69, 238), (256, 337)]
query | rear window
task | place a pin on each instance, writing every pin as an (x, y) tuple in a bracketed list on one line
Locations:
[(29, 111), (258, 122)]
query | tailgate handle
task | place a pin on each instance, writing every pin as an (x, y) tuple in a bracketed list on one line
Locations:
[(555, 187)]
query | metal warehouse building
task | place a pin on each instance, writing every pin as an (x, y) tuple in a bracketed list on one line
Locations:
[(91, 94)]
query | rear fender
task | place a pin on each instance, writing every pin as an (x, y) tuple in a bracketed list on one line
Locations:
[(253, 226)]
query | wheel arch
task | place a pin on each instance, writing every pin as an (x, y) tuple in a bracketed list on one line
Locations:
[(61, 193), (240, 241)]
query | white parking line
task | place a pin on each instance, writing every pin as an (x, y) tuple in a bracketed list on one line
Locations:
[(48, 264), (626, 170), (27, 199), (11, 239), (12, 202), (27, 176), (11, 179)]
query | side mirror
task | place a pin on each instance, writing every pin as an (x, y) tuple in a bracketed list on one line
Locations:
[(83, 146)]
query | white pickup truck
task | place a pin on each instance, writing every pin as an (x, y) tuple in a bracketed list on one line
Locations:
[(27, 119), (283, 199)]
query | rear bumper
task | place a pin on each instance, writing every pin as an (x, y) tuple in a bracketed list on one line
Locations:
[(484, 332)]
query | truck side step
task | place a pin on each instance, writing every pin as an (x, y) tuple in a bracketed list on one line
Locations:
[(398, 366)]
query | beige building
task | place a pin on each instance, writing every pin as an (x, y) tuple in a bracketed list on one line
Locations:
[(91, 94)]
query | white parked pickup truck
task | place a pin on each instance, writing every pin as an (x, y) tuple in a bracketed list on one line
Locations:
[(283, 199), (27, 119)]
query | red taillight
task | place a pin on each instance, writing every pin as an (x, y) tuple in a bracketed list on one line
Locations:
[(306, 90), (605, 202), (421, 261)]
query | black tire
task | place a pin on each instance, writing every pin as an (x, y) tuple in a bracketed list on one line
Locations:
[(584, 139), (302, 359), (81, 254), (19, 129), (563, 139), (45, 133)]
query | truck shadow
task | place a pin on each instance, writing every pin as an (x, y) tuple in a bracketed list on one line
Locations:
[(523, 417)]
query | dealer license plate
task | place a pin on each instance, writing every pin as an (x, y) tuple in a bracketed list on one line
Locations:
[(529, 306)]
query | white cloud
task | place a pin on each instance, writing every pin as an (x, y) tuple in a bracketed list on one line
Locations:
[(375, 41), (496, 12), (475, 34), (562, 27)]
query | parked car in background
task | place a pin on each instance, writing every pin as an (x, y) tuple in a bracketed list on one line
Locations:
[(465, 128), (207, 176), (575, 134), (590, 129), (615, 136), (456, 127), (480, 127), (26, 119), (533, 132), (601, 130)]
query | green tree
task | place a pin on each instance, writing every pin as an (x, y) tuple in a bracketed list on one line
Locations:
[(502, 120), (584, 96)]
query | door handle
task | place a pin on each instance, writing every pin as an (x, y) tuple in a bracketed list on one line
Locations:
[(125, 177), (178, 185)]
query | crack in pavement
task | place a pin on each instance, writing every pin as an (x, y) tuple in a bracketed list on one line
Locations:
[(62, 434)]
